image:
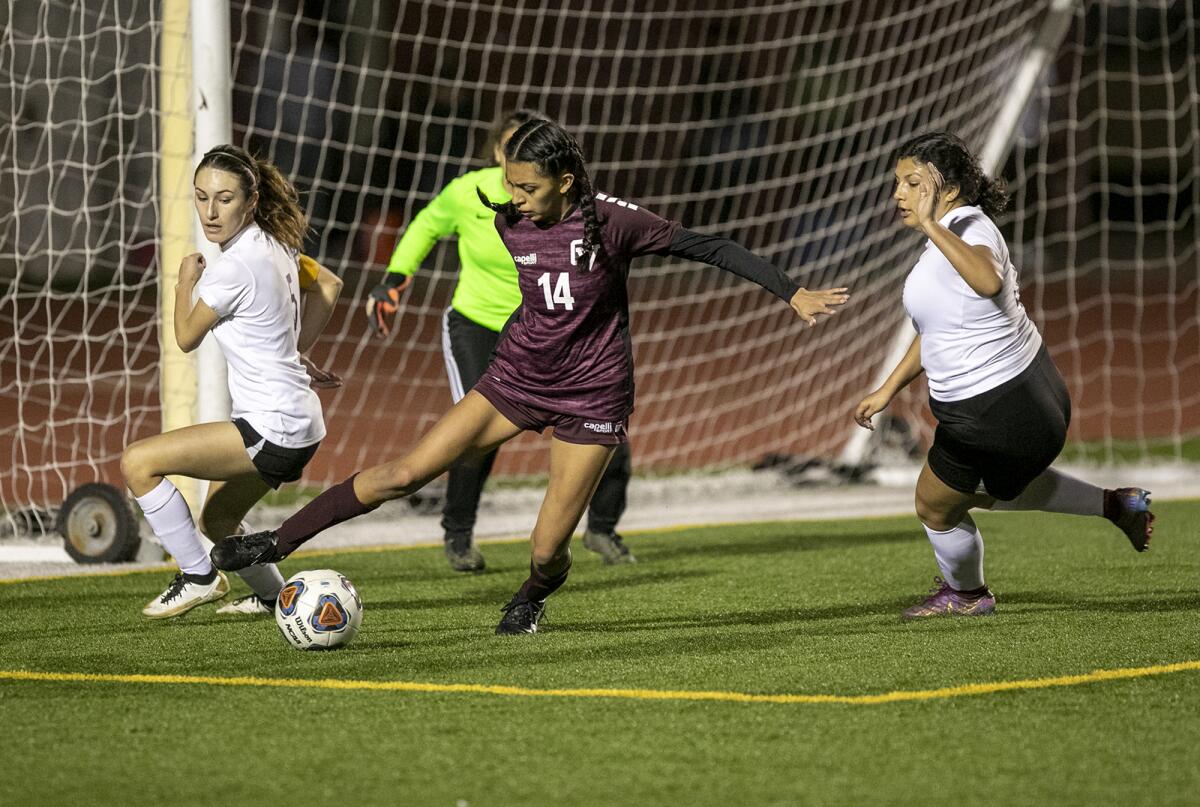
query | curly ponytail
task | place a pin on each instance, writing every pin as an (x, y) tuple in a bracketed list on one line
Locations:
[(554, 151), (278, 210), (958, 166)]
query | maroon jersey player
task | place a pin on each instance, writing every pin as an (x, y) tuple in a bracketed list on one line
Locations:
[(564, 361)]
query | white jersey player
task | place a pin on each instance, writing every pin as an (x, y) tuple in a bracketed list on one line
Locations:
[(265, 304), (1002, 407)]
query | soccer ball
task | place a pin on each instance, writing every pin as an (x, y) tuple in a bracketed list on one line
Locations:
[(318, 610)]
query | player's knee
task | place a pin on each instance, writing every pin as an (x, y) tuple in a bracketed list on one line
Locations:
[(135, 465), (935, 517)]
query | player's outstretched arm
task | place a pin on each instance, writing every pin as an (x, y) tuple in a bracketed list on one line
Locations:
[(908, 369), (732, 257)]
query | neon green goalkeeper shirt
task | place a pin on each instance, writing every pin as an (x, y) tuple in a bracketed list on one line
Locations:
[(487, 292)]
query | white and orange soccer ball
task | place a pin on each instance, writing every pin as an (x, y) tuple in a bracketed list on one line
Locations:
[(318, 610)]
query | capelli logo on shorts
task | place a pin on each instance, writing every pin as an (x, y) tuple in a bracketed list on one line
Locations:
[(600, 428)]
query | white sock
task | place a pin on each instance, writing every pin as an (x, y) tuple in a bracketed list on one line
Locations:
[(1056, 492), (959, 553), (265, 581), (168, 515)]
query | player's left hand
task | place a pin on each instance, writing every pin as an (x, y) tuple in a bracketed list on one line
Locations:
[(318, 378), (808, 304)]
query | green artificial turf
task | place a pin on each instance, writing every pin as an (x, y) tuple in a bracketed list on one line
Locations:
[(796, 608)]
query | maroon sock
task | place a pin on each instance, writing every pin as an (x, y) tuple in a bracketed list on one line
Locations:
[(538, 586), (334, 506), (974, 593)]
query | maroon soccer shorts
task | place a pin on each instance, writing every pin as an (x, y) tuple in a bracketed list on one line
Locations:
[(568, 428)]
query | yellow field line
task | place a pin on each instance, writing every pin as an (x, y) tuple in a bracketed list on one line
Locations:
[(899, 696)]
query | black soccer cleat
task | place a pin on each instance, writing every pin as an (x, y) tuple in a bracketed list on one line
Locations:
[(1129, 510), (520, 616), (462, 553), (239, 551)]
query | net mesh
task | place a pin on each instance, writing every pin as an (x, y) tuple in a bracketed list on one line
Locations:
[(78, 291), (775, 126)]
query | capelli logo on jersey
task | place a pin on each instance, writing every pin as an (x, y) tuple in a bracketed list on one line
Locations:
[(526, 260), (599, 428)]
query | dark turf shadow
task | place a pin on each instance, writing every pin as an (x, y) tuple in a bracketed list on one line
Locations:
[(783, 615), (1058, 601), (496, 593), (768, 545)]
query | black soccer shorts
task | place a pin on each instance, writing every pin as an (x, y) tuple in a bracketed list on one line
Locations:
[(999, 441), (275, 464)]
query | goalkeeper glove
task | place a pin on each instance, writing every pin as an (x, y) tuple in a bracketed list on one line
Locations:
[(384, 302)]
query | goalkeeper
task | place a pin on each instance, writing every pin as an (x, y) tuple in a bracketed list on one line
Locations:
[(484, 298)]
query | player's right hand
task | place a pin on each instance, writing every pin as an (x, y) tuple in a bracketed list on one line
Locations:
[(874, 403), (384, 301), (191, 268)]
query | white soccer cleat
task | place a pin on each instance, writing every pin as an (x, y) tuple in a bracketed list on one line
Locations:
[(250, 604), (183, 595)]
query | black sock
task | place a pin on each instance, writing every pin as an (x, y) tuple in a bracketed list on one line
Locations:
[(202, 579)]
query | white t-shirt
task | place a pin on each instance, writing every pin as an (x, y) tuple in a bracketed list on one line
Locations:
[(969, 343), (255, 289)]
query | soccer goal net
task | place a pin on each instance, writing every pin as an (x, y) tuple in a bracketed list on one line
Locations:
[(775, 124)]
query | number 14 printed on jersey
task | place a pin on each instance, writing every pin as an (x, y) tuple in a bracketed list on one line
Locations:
[(561, 293)]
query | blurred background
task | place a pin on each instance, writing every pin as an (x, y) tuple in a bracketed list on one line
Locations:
[(775, 125)]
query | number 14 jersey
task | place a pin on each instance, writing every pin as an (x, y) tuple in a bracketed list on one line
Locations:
[(567, 349)]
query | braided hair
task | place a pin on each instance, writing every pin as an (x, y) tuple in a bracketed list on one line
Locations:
[(950, 155), (278, 210), (551, 148), (510, 119)]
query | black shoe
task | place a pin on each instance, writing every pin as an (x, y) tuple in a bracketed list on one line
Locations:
[(609, 546), (463, 555), (520, 616), (239, 551)]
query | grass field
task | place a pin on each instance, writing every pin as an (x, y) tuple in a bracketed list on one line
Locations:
[(769, 609)]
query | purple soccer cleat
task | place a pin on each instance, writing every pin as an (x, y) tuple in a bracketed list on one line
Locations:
[(1129, 509), (945, 601)]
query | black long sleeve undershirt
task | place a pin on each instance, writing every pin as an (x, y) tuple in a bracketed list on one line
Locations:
[(733, 257)]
